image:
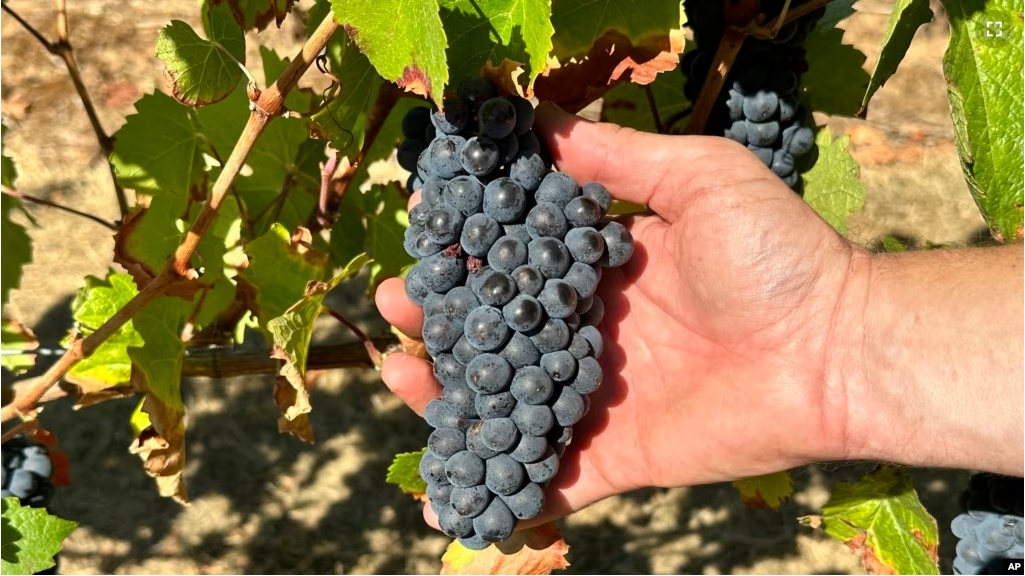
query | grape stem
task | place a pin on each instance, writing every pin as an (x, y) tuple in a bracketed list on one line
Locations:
[(654, 109), (725, 56), (227, 362), (178, 273), (68, 209), (372, 352), (62, 48)]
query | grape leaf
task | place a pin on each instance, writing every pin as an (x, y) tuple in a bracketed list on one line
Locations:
[(285, 180), (222, 123), (159, 148), (482, 31), (17, 337), (8, 172), (881, 516), (383, 146), (31, 537), (343, 121), (836, 12), (622, 36), (984, 87), (579, 25), (627, 103), (404, 472), (403, 39), (291, 333), (279, 269), (17, 247), (348, 234), (94, 304), (767, 491), (386, 223), (835, 81), (298, 99), (256, 13), (148, 236), (203, 71), (537, 550), (907, 16), (158, 366), (831, 186)]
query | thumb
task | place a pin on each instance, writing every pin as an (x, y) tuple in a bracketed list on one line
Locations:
[(663, 172)]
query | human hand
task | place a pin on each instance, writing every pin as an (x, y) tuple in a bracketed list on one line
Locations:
[(717, 331)]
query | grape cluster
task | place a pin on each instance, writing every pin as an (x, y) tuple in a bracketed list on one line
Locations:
[(510, 255), (759, 107), (990, 531), (26, 472)]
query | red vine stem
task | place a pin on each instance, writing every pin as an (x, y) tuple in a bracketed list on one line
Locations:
[(62, 48), (268, 105), (372, 351)]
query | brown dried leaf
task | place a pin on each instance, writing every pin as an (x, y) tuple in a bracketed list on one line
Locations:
[(294, 403), (162, 446), (505, 77), (536, 550), (612, 59)]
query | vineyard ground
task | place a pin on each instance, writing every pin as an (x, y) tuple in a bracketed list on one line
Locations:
[(265, 503)]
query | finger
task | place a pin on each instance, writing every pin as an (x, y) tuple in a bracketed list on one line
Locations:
[(661, 171), (398, 309), (414, 199), (411, 379)]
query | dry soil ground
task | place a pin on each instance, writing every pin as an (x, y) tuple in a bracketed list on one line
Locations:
[(266, 503)]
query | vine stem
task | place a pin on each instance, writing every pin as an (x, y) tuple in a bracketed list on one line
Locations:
[(62, 48), (654, 109), (226, 363), (372, 350), (725, 56), (268, 105), (68, 209)]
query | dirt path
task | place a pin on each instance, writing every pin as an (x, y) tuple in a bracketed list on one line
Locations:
[(266, 503)]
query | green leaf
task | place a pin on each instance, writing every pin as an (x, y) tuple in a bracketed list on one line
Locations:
[(831, 186), (31, 537), (627, 104), (907, 16), (203, 71), (835, 81), (404, 472), (150, 235), (222, 123), (343, 121), (160, 357), (386, 223), (290, 337), (279, 270), (882, 515), (984, 86), (483, 31), (348, 234), (388, 137), (579, 24), (285, 181), (257, 13), (17, 337), (108, 365), (298, 99), (403, 39), (158, 150), (8, 172), (836, 11), (17, 246)]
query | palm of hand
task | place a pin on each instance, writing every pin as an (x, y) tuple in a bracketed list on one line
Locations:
[(703, 355)]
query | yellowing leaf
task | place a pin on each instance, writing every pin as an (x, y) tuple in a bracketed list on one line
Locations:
[(537, 550), (769, 490), (882, 517)]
